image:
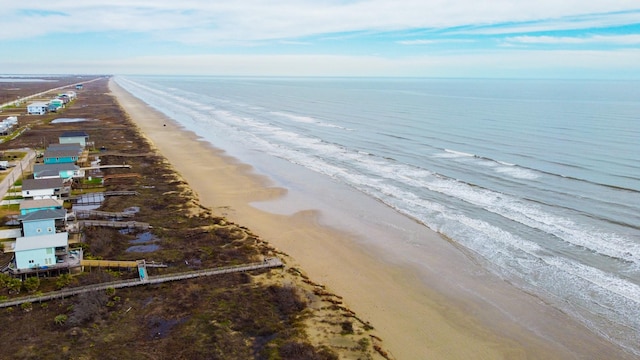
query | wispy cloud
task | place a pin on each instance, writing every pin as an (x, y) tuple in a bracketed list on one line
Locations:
[(632, 39), (194, 21), (574, 22), (431, 42)]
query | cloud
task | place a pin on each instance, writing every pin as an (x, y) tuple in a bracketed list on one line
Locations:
[(574, 22), (495, 63), (416, 42), (212, 22), (632, 39), (431, 42)]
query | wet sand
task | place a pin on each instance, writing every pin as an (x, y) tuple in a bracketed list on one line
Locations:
[(443, 307)]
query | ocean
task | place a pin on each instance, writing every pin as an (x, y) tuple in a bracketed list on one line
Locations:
[(539, 180)]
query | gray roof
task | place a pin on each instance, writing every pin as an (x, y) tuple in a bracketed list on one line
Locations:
[(70, 146), (40, 203), (60, 153), (42, 241), (74, 134), (39, 184), (37, 168), (51, 170), (45, 214)]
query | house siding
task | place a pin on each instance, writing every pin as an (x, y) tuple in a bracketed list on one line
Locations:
[(39, 227), (27, 259), (60, 160), (39, 194), (82, 140)]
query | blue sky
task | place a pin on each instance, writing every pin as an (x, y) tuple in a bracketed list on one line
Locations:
[(433, 38)]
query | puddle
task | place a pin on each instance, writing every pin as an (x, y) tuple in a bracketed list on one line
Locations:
[(160, 328), (69, 120), (131, 210), (143, 248), (144, 237)]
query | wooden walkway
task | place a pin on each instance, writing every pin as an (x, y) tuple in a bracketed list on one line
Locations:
[(121, 176), (121, 193), (109, 263), (267, 264), (104, 194), (114, 224), (105, 214), (97, 167), (120, 263)]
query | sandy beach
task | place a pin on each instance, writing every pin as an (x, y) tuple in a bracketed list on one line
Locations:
[(415, 315)]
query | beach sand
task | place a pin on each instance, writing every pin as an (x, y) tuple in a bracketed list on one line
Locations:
[(415, 320)]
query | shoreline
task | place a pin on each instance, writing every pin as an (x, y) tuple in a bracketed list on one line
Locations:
[(415, 321)]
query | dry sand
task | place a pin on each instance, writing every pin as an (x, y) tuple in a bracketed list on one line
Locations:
[(414, 321)]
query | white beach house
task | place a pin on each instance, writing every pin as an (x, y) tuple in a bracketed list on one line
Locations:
[(37, 108)]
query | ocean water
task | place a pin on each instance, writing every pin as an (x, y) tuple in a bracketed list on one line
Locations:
[(538, 179)]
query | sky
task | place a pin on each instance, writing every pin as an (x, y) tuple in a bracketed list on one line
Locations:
[(595, 39)]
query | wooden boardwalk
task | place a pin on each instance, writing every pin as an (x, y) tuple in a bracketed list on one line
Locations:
[(266, 264), (114, 224), (109, 263), (119, 263), (121, 176), (105, 214), (90, 195), (97, 167)]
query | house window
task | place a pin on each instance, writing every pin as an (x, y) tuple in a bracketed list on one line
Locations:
[(49, 251)]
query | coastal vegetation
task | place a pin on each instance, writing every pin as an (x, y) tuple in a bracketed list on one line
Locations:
[(266, 314)]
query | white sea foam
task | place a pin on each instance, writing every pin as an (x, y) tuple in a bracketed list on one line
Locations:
[(452, 154), (306, 120), (412, 189)]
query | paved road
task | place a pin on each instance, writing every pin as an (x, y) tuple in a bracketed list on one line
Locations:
[(24, 166)]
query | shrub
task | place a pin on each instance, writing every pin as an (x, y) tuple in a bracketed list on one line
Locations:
[(14, 285), (31, 284), (63, 280), (60, 319)]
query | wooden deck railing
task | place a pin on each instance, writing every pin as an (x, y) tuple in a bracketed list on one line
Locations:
[(109, 263)]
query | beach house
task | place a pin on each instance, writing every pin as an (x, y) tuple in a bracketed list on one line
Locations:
[(60, 156), (37, 108), (29, 206), (70, 146), (42, 239), (55, 104), (61, 170), (77, 137), (7, 125), (43, 188)]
